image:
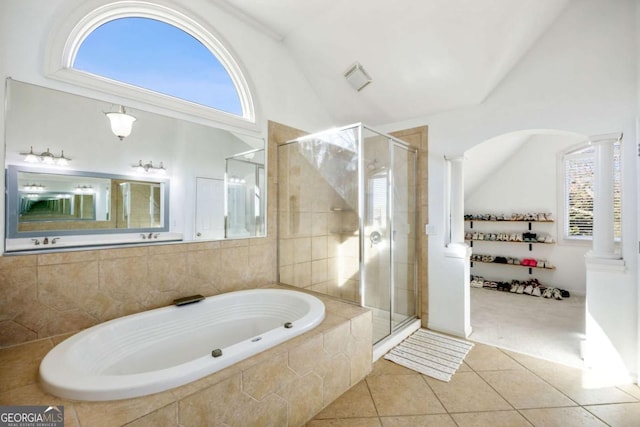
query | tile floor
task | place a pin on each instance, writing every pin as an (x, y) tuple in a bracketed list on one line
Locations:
[(493, 388)]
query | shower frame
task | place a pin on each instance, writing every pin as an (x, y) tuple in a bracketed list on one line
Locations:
[(392, 142)]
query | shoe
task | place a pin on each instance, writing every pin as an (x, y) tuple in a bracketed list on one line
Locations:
[(548, 239), (548, 293), (514, 286), (520, 289), (536, 291), (564, 293), (528, 289), (557, 294)]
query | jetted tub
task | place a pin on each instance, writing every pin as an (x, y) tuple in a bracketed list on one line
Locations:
[(156, 350)]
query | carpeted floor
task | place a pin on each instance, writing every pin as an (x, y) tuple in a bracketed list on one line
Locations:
[(544, 328)]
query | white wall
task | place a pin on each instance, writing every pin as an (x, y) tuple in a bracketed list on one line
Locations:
[(528, 181), (579, 77)]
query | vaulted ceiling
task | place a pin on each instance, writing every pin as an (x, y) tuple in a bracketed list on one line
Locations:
[(424, 56)]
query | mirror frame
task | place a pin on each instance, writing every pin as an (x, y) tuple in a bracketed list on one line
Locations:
[(13, 203)]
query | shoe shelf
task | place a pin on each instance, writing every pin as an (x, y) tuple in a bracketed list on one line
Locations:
[(530, 263), (516, 234), (530, 287), (509, 241)]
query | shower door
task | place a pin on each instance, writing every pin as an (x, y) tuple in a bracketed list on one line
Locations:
[(389, 217)]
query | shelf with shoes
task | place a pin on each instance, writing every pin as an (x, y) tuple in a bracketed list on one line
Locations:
[(530, 263), (530, 287), (514, 217), (526, 237), (510, 231)]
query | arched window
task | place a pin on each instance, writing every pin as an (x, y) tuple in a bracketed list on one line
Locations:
[(155, 54)]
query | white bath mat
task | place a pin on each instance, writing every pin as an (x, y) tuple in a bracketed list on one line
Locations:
[(430, 353)]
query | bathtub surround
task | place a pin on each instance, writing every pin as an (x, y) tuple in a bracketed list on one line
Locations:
[(285, 385), (158, 350), (50, 294)]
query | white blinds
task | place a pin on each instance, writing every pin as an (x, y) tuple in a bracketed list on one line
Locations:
[(578, 174)]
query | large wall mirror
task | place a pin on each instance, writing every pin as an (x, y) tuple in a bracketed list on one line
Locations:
[(170, 179)]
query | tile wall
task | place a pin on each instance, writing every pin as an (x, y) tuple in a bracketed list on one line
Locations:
[(44, 295)]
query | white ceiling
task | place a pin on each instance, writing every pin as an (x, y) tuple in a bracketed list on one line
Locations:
[(424, 56)]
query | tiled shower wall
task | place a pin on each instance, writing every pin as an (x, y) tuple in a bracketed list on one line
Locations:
[(317, 226)]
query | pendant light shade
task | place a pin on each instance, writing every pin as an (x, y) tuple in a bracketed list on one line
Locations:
[(121, 123)]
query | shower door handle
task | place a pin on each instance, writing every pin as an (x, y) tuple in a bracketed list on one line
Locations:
[(375, 237)]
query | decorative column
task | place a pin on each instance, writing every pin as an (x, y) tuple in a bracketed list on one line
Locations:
[(603, 180), (450, 304), (607, 309), (456, 200)]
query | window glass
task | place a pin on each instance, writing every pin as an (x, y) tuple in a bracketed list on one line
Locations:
[(578, 210), (157, 56)]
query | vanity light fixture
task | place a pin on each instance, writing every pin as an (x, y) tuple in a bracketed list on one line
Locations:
[(84, 189), (237, 181), (34, 187), (46, 157), (150, 168), (30, 157), (121, 122), (357, 77)]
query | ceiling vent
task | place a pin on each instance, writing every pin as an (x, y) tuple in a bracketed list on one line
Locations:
[(357, 77)]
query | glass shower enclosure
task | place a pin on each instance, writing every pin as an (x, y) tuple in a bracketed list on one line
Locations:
[(347, 212), (245, 182)]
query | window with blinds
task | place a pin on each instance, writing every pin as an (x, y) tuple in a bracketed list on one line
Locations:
[(578, 185)]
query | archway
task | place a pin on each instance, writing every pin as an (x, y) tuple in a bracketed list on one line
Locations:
[(514, 190)]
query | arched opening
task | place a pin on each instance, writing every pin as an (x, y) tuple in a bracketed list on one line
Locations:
[(514, 210)]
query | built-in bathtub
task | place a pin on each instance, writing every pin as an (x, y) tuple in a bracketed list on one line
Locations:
[(160, 349)]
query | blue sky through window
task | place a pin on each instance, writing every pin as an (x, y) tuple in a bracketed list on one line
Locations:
[(160, 57)]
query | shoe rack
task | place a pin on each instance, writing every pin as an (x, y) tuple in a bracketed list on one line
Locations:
[(528, 230), (476, 234)]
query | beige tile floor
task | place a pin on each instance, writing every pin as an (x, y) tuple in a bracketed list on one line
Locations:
[(493, 388)]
